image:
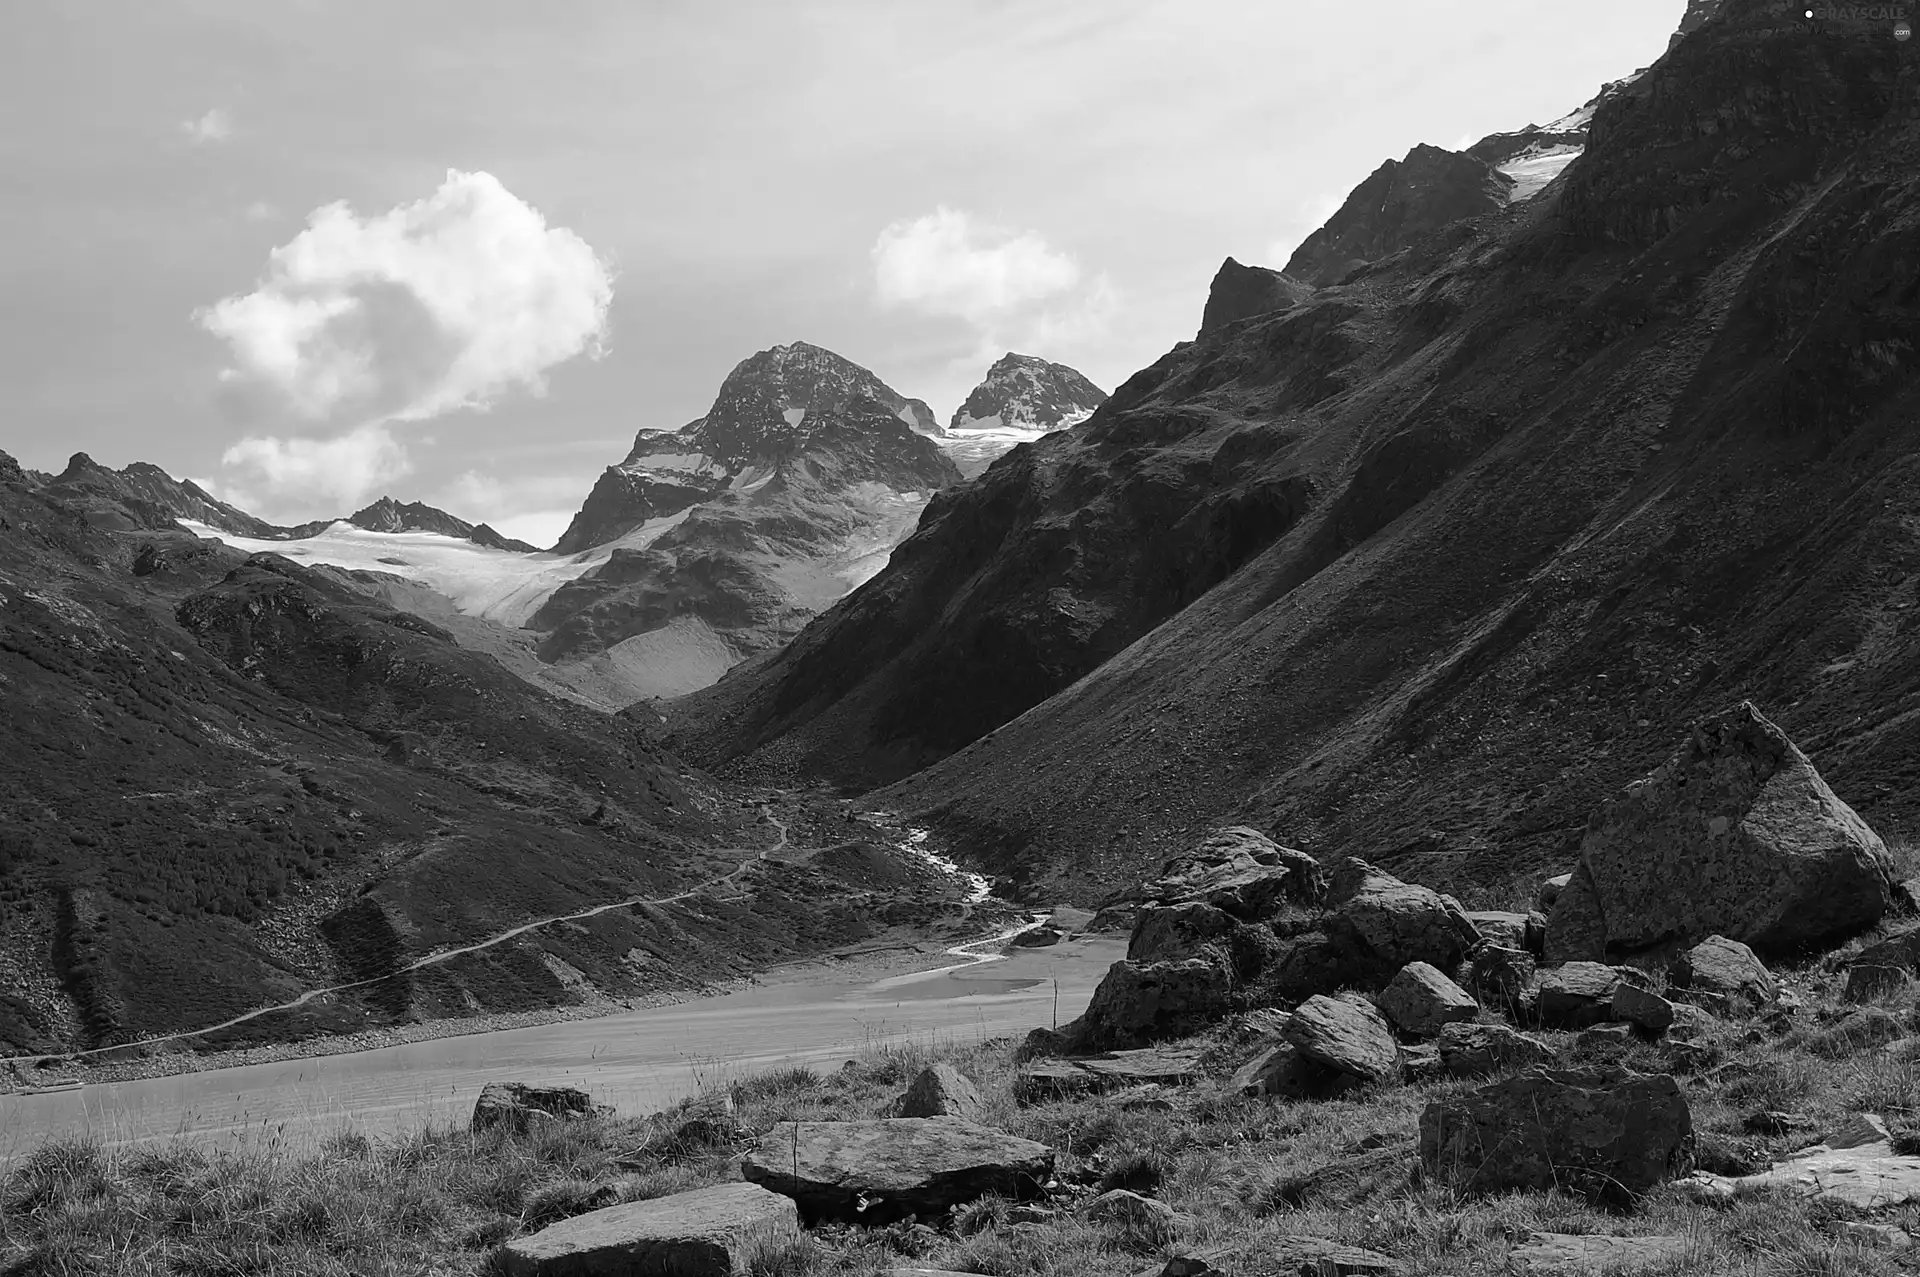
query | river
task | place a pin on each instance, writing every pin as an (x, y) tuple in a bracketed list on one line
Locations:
[(636, 1061)]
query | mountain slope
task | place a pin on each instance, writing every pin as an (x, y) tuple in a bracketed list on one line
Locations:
[(1419, 567), (146, 497), (1240, 292), (229, 780), (392, 517)]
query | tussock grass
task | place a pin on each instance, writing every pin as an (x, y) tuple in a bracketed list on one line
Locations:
[(1243, 1174)]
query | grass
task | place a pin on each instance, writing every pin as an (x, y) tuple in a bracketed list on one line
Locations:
[(1243, 1174)]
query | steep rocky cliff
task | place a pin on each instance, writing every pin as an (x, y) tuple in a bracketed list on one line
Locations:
[(1418, 567), (1240, 292), (143, 496)]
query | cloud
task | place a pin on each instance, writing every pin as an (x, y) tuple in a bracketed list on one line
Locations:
[(341, 469), (535, 508), (215, 126), (947, 263), (360, 323), (260, 211)]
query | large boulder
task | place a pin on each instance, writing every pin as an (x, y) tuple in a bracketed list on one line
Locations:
[(1386, 923), (1606, 1134), (1504, 977), (1171, 933), (1280, 1070), (1728, 969), (1347, 1036), (1467, 1050), (877, 1172), (942, 1091), (517, 1106), (1241, 871), (1141, 1002), (1421, 1001), (1735, 835), (1577, 994), (709, 1232)]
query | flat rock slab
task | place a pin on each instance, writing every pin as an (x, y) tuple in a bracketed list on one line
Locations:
[(1571, 1253), (1868, 1175), (876, 1172), (710, 1232), (1308, 1256), (1115, 1070)]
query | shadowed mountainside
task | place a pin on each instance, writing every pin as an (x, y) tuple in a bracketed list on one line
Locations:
[(1417, 567)]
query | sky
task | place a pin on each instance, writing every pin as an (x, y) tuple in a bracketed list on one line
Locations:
[(310, 252)]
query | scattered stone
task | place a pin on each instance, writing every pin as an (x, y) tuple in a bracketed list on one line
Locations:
[(1879, 1236), (1388, 923), (1153, 1222), (1901, 949), (1736, 835), (709, 1232), (1508, 930), (1041, 1080), (1505, 977), (1856, 1031), (1605, 1036), (1111, 919), (1151, 1098), (1200, 1264), (1420, 1000), (1858, 1130), (1040, 1043), (1774, 1122), (1467, 1050), (1606, 1133), (1577, 994), (1728, 968), (1171, 933), (1857, 1166), (1348, 1036), (1690, 1023), (1317, 1257), (1040, 937), (516, 1106), (876, 1172), (1569, 1253), (1550, 891), (1637, 1006), (1422, 1063), (942, 1091), (1138, 1003), (1312, 963), (1277, 1071), (1870, 982)]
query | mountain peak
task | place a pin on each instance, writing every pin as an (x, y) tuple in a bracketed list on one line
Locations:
[(1028, 392), (1239, 292), (393, 516)]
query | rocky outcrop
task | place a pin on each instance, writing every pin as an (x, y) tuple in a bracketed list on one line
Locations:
[(389, 515), (1402, 201), (517, 1106), (880, 1171), (709, 1232), (143, 497), (1607, 1134), (1142, 1002), (1240, 292), (1240, 871), (1735, 835), (1857, 1168), (1028, 393)]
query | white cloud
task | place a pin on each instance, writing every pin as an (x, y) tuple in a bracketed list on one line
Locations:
[(342, 469), (535, 508), (446, 303), (260, 211), (215, 126), (947, 263)]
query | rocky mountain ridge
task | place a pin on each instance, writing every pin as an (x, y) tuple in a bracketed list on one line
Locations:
[(391, 516), (1027, 392)]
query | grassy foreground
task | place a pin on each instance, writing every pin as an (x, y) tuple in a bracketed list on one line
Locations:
[(1244, 1170)]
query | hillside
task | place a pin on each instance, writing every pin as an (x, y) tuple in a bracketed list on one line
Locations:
[(230, 780), (1419, 565)]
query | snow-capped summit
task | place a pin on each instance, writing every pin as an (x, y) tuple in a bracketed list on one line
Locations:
[(1028, 393), (391, 516), (1537, 154)]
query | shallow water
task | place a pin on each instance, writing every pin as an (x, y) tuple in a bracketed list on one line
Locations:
[(636, 1061)]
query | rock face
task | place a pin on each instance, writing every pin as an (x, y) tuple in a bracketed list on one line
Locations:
[(517, 1106), (144, 497), (1347, 1036), (1142, 1002), (1735, 835), (1028, 393), (900, 1166), (942, 1091), (1592, 1132), (709, 1232), (1240, 292), (1421, 1000), (1402, 201)]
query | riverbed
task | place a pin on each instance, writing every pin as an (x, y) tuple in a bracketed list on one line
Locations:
[(636, 1061)]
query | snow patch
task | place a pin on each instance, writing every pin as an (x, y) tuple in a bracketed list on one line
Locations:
[(980, 423), (795, 416), (1532, 170), (978, 888)]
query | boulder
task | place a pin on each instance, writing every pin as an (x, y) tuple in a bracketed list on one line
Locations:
[(1172, 933), (1153, 1222), (1312, 963), (877, 1172), (1116, 1070), (1421, 1001), (1869, 982), (1467, 1050), (1240, 871), (1040, 937), (1735, 835), (1641, 1007), (1142, 1002), (1347, 1036), (1279, 1071), (1901, 949), (517, 1106), (1604, 1133), (1552, 1254), (1505, 977), (1856, 1166), (1730, 969), (1550, 891), (709, 1232), (1577, 994), (942, 1091), (1385, 923), (1496, 926)]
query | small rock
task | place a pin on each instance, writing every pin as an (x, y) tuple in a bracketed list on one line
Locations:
[(1151, 1098), (1880, 1236), (1423, 1063), (1640, 1007), (875, 1172), (942, 1091), (1570, 1253), (1728, 968), (516, 1105), (1858, 1167), (1277, 1071), (1869, 982), (1421, 1001), (1577, 994), (709, 1232), (1550, 891), (1470, 1049), (1508, 930), (1605, 1036), (1774, 1122), (1346, 1035), (1505, 977), (1155, 1223)]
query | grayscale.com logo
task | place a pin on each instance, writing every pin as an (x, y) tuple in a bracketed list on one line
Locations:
[(1894, 17)]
